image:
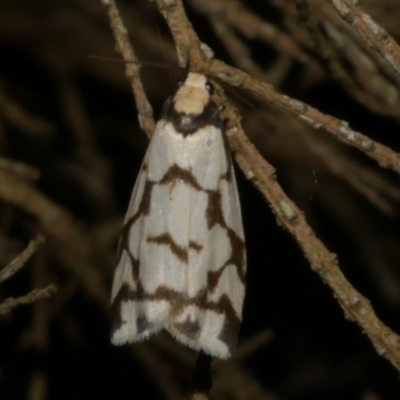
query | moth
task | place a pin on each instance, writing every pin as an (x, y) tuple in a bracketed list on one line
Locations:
[(181, 261)]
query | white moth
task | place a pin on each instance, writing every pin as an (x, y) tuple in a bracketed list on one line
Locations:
[(181, 260)]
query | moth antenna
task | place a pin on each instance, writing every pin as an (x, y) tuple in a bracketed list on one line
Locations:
[(171, 81), (153, 64), (232, 92)]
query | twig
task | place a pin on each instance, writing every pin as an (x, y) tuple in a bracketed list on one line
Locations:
[(368, 79), (239, 52), (251, 345), (340, 129), (27, 123), (373, 34), (34, 295), (262, 174), (20, 169), (37, 333), (355, 306), (145, 110), (38, 386), (250, 25), (242, 57), (229, 378), (18, 262), (186, 40), (371, 185), (202, 380), (185, 37), (71, 244), (95, 171)]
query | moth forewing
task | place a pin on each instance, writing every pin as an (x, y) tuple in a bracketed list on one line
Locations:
[(181, 260)]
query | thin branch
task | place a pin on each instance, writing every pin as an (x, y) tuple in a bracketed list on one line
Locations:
[(38, 386), (373, 34), (237, 49), (335, 163), (29, 124), (185, 37), (186, 40), (340, 129), (250, 25), (145, 110), (20, 169), (366, 80), (34, 295), (355, 306), (71, 243), (15, 265), (202, 380), (253, 344)]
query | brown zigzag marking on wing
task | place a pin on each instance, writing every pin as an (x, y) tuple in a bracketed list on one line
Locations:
[(236, 259), (214, 212), (165, 239), (213, 278), (135, 264), (227, 175), (195, 246), (238, 253), (188, 328), (143, 209), (175, 172), (181, 252), (115, 309), (231, 323), (178, 302), (214, 215), (123, 295)]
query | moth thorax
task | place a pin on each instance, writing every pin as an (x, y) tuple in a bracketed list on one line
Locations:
[(191, 100), (186, 119)]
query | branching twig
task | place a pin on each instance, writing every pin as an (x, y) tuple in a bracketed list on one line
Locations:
[(20, 169), (185, 37), (145, 110), (13, 267), (16, 264), (355, 306), (373, 34), (34, 295), (250, 25), (30, 124), (262, 174), (71, 243), (384, 155)]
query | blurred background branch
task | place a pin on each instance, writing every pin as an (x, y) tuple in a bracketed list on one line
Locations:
[(12, 268)]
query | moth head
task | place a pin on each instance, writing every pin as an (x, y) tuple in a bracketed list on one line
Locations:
[(193, 94)]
